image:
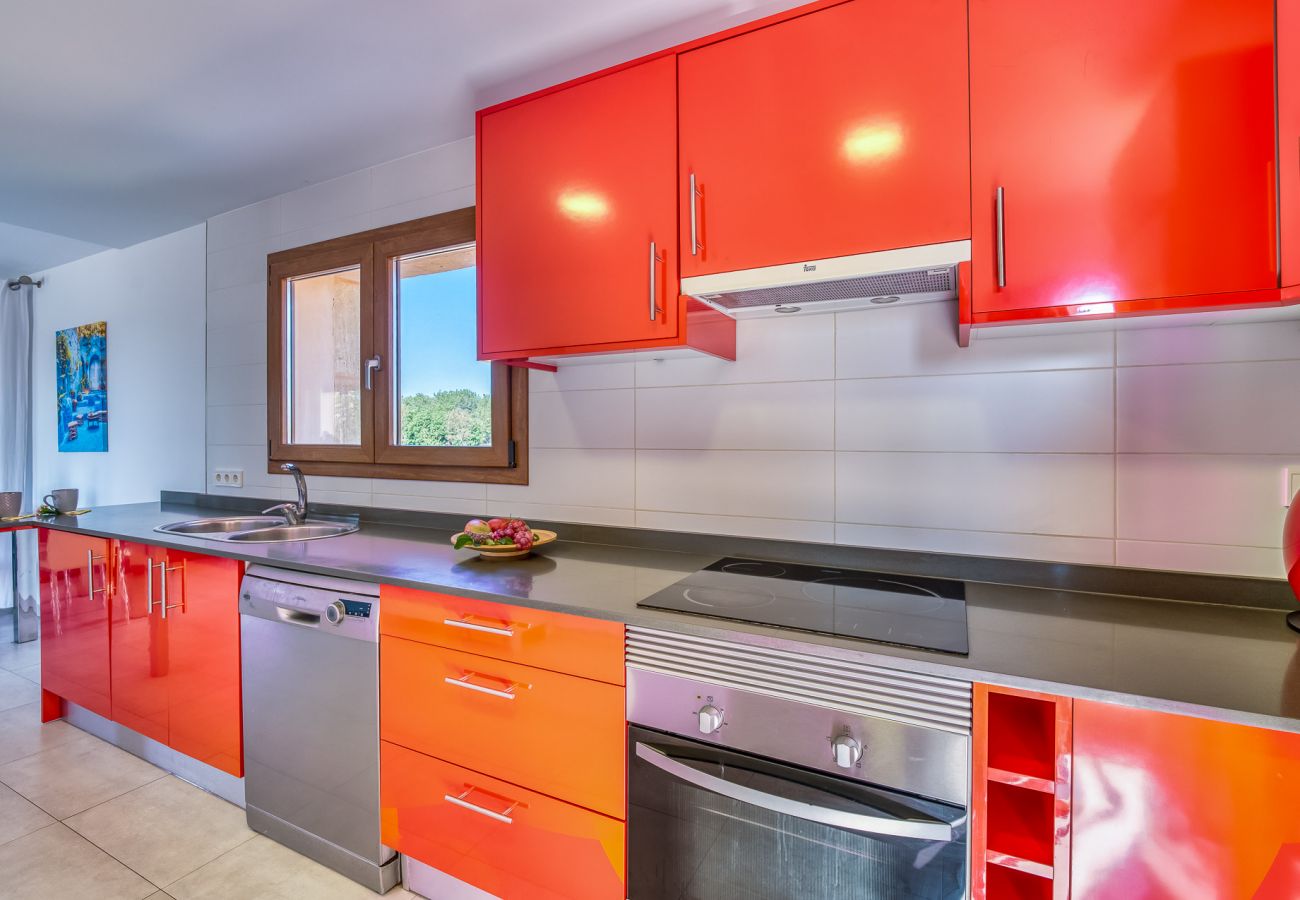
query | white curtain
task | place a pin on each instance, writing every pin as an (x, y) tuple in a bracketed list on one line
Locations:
[(16, 455)]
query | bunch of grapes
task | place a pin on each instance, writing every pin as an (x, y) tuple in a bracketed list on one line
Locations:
[(501, 531)]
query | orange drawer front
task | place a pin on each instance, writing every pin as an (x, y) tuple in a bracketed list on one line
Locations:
[(553, 733), (498, 837), (575, 645)]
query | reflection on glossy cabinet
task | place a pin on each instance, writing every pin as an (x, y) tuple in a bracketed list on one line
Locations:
[(1170, 806), (575, 187), (140, 653), (514, 843), (800, 151), (205, 719), (74, 576), (1121, 152), (1288, 108)]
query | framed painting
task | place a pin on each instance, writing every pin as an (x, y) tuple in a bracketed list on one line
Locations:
[(81, 379)]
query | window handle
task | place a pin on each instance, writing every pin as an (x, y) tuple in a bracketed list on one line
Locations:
[(373, 365)]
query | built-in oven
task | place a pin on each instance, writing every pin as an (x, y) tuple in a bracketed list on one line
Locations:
[(760, 774)]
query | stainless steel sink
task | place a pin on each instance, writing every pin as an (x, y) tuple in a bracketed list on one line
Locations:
[(307, 531), (257, 529)]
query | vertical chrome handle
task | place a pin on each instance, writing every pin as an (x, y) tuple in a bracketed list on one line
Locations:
[(1002, 239), (149, 585), (374, 364), (165, 571), (695, 218), (655, 260), (90, 574)]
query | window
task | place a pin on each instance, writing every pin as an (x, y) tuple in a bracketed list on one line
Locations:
[(372, 360)]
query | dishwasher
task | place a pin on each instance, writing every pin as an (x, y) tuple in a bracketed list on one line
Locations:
[(310, 673)]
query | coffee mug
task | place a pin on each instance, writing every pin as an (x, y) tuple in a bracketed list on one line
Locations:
[(11, 504), (64, 499)]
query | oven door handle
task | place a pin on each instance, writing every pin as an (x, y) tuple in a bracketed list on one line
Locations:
[(927, 830)]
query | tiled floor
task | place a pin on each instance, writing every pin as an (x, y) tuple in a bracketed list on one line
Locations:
[(81, 818)]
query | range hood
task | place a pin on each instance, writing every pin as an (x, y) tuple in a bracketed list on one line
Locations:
[(864, 281)]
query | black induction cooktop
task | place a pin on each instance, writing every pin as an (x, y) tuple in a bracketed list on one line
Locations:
[(927, 613)]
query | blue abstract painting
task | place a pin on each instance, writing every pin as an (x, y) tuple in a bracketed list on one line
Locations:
[(81, 357)]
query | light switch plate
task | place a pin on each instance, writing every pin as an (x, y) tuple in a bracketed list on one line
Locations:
[(229, 478)]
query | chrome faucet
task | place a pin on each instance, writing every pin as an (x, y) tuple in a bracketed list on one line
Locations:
[(294, 513)]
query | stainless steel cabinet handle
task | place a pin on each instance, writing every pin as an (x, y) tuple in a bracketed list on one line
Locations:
[(910, 828), (373, 365), (655, 260), (695, 218), (464, 682), (165, 570), (1002, 236), (460, 801), (149, 583), (90, 574), (474, 626)]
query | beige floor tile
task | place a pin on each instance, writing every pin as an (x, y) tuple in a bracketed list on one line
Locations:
[(16, 690), (161, 895), (77, 775), (18, 656), (261, 869), (31, 673), (164, 830), (18, 817), (22, 734), (55, 863)]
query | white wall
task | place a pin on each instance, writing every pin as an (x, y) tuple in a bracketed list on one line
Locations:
[(1159, 448), (152, 296)]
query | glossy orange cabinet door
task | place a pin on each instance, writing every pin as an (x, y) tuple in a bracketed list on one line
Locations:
[(558, 734), (575, 645), (1288, 106), (138, 634), (513, 843), (841, 131), (204, 686), (575, 186), (1169, 806), (74, 575), (1134, 148)]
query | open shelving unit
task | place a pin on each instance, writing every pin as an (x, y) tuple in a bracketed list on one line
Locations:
[(1020, 795)]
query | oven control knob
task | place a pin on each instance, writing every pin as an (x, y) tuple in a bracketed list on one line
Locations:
[(335, 612), (710, 719), (847, 751)]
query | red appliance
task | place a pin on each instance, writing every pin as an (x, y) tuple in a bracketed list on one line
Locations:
[(1291, 557)]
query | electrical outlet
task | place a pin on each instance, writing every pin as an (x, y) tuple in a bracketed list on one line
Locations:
[(230, 478), (1290, 484)]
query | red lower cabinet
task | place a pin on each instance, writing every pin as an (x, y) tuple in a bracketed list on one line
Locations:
[(505, 840), (141, 655), (1169, 806), (74, 574)]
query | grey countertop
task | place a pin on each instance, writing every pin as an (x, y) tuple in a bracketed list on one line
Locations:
[(1224, 662)]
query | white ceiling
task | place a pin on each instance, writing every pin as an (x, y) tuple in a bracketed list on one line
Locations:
[(124, 120)]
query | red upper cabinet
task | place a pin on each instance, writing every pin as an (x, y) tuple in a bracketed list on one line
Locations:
[(74, 572), (203, 632), (1288, 61), (140, 654), (575, 189), (1169, 806), (837, 132), (1134, 148)]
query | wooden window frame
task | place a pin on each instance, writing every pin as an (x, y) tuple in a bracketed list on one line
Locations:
[(378, 456)]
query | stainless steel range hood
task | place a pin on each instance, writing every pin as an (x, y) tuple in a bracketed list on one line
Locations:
[(887, 277)]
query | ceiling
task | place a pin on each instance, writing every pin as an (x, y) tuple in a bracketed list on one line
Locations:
[(123, 121)]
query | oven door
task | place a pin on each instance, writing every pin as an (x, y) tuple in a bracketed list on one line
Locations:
[(706, 823)]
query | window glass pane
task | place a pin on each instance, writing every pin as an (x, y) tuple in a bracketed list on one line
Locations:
[(324, 358), (444, 394)]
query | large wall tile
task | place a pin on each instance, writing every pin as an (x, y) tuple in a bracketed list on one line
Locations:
[(233, 345), (463, 490), (337, 198), (431, 171), (1029, 412), (1256, 562), (820, 532), (418, 503), (573, 478), (779, 416), (239, 265), (561, 512), (583, 377), (252, 459), (254, 222), (596, 420), (773, 484), (1081, 550), (240, 304), (1200, 499), (922, 340), (1065, 494), (236, 385), (237, 424), (801, 348), (1208, 344), (1218, 408)]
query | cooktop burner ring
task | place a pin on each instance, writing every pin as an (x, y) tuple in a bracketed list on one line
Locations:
[(755, 568), (726, 599)]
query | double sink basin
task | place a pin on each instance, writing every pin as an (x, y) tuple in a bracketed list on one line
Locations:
[(258, 529)]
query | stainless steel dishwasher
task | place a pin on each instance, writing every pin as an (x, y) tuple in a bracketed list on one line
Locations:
[(310, 661)]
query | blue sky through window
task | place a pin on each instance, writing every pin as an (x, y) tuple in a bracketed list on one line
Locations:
[(439, 334)]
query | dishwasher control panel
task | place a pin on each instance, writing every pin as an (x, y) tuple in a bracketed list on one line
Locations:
[(356, 608), (312, 601)]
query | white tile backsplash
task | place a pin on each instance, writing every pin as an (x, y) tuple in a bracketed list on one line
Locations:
[(1160, 447)]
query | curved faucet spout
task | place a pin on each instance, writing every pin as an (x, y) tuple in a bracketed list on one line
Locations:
[(294, 513)]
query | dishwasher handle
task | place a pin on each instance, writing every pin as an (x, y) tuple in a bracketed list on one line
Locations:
[(331, 612), (297, 617)]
